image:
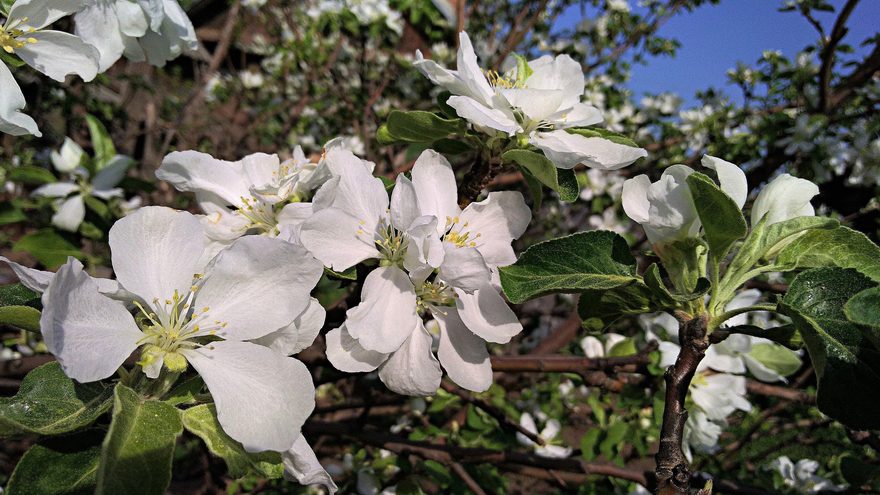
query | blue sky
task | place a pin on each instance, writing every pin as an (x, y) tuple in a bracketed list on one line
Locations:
[(715, 37)]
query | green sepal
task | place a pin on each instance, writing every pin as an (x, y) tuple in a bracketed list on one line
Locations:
[(563, 181)]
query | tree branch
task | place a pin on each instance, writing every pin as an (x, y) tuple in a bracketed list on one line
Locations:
[(673, 473), (837, 33)]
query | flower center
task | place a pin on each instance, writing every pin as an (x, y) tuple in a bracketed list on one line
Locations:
[(391, 243), (260, 214), (173, 325), (434, 293), (498, 80), (458, 235), (11, 36)]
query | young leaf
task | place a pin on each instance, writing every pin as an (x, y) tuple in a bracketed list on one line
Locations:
[(48, 248), (841, 247), (535, 188), (23, 317), (59, 466), (31, 176), (186, 391), (846, 361), (18, 295), (612, 136), (563, 181), (600, 308), (50, 403), (655, 282), (101, 142), (864, 308), (202, 421), (137, 452), (11, 213), (722, 219), (421, 127), (786, 335), (778, 358), (595, 260)]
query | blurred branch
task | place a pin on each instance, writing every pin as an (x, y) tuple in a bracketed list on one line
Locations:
[(828, 50), (792, 394), (493, 411)]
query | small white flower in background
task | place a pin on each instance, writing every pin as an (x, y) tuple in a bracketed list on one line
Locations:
[(538, 105), (599, 183), (53, 53), (155, 31), (618, 5), (70, 205), (185, 302), (254, 4), (665, 208), (549, 433), (434, 259), (802, 477), (595, 348), (250, 79)]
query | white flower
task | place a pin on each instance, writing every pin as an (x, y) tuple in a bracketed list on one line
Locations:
[(665, 208), (301, 464), (250, 79), (70, 205), (433, 257), (548, 434), (155, 31), (262, 397), (802, 477), (53, 53), (785, 197), (594, 348), (69, 157), (539, 105)]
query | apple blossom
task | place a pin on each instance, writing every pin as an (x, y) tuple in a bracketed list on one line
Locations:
[(548, 434), (196, 312), (538, 100), (53, 53), (802, 477), (783, 198), (427, 265), (665, 208)]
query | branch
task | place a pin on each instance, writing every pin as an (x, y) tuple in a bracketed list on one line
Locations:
[(673, 473), (482, 172), (491, 410), (795, 395), (572, 364), (837, 33)]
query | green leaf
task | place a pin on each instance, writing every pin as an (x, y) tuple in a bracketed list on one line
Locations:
[(185, 392), (137, 452), (97, 206), (48, 247), (563, 181), (523, 71), (450, 146), (50, 403), (600, 308), (348, 274), (535, 188), (101, 142), (723, 221), (444, 107), (421, 127), (786, 335), (655, 282), (857, 472), (32, 176), (841, 247), (59, 466), (383, 135), (846, 361), (202, 421), (778, 358), (597, 260), (18, 295), (864, 308), (23, 317), (7, 58), (10, 213), (130, 183), (612, 136)]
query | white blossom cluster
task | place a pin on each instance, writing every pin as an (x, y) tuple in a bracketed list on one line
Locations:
[(155, 31)]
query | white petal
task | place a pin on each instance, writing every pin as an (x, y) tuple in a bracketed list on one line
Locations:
[(536, 104), (592, 347), (425, 251), (731, 177), (12, 121), (245, 282), (55, 189), (412, 369), (301, 464), (156, 251), (196, 172), (580, 115), (294, 214), (440, 76), (98, 25), (386, 315), (487, 315), (760, 371), (40, 13), (360, 194), (562, 73), (90, 334), (404, 203), (132, 19), (528, 423), (69, 157), (262, 397), (783, 198), (469, 70), (462, 354), (482, 116), (499, 219), (70, 214), (345, 354), (300, 334), (338, 239), (434, 183), (464, 268), (635, 198), (566, 150), (58, 54)]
